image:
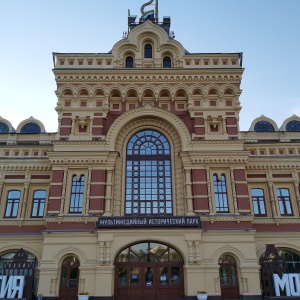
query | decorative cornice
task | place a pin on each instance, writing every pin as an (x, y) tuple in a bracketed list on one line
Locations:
[(226, 218), (77, 143), (81, 157), (71, 219), (218, 160), (276, 221), (78, 162), (278, 165), (21, 223), (25, 168), (141, 75)]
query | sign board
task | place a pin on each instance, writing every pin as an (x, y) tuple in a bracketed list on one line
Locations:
[(133, 222), (11, 286), (288, 284)]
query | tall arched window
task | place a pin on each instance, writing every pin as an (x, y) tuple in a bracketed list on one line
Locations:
[(284, 201), (167, 62), (129, 62), (148, 51), (148, 175), (220, 191), (77, 192)]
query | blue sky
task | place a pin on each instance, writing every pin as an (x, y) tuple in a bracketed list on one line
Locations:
[(266, 31)]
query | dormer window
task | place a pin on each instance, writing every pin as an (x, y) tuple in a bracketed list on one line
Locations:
[(167, 62), (148, 51), (129, 62), (31, 128)]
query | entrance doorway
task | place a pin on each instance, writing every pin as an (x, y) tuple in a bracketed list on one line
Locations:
[(69, 278), (149, 271), (228, 277)]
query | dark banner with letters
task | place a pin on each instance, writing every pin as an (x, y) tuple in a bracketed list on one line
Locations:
[(133, 222)]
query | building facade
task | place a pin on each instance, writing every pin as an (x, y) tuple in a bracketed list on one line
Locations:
[(148, 190)]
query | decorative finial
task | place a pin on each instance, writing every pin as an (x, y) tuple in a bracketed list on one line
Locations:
[(149, 14)]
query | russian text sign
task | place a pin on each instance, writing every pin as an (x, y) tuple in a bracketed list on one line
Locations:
[(121, 222), (288, 283), (11, 286)]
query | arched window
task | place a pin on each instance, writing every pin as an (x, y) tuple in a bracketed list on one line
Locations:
[(147, 268), (21, 263), (167, 62), (220, 191), (77, 192), (149, 251), (292, 260), (148, 175), (148, 51), (31, 128), (263, 126), (293, 126), (129, 62), (258, 202), (3, 128)]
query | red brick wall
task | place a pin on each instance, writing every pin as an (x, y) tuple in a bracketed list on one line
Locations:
[(97, 128), (65, 131), (241, 187), (199, 189), (55, 191), (97, 192), (199, 126), (231, 125)]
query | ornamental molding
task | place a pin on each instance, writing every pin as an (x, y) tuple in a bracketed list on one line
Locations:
[(147, 36), (225, 142), (78, 143), (214, 160), (126, 48), (22, 223), (277, 221), (146, 78), (78, 162), (157, 88), (71, 219), (230, 218), (25, 168), (279, 167), (154, 115), (81, 157)]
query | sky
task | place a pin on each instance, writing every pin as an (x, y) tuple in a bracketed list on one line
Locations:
[(266, 31)]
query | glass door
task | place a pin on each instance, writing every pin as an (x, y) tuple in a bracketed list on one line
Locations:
[(68, 288), (228, 278)]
